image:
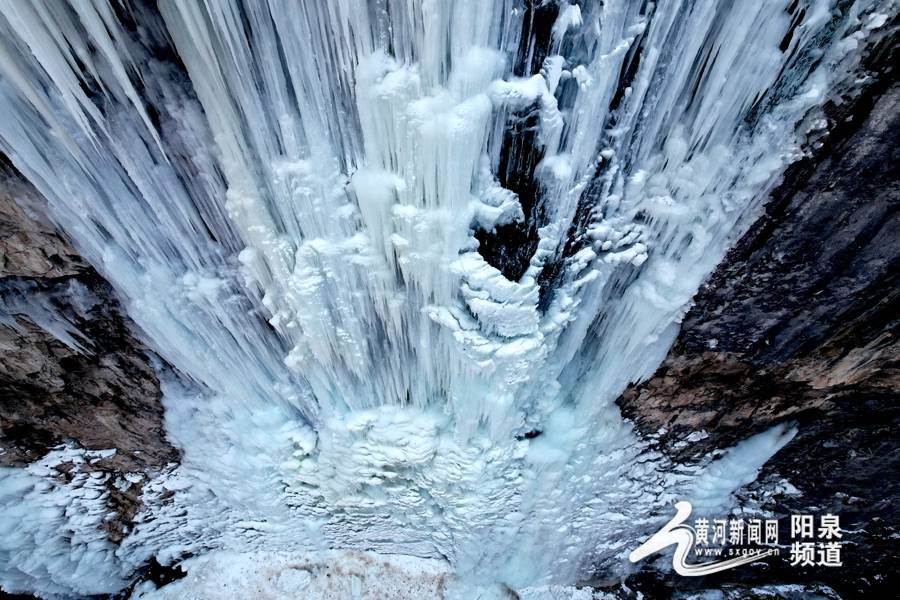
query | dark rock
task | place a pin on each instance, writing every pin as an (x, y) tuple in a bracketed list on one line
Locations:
[(29, 245)]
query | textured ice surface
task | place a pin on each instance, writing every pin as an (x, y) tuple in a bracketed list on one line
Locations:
[(51, 538), (337, 576), (322, 576), (405, 255)]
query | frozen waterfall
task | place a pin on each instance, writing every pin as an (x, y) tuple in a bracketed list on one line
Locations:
[(398, 258)]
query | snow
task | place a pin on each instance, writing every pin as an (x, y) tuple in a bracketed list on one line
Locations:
[(294, 234)]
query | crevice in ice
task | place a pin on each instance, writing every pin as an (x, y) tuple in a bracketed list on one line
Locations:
[(510, 246), (538, 22)]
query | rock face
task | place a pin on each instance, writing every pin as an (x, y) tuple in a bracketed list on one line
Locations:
[(29, 246), (72, 372), (800, 323)]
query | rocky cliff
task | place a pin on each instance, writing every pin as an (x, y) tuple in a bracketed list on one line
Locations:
[(72, 372), (800, 324)]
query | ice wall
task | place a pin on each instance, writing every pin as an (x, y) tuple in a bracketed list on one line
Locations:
[(404, 255)]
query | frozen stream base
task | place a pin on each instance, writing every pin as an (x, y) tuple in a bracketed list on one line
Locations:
[(332, 575), (341, 575)]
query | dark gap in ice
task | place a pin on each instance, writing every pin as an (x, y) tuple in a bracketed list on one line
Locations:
[(534, 45), (628, 71), (786, 41), (510, 247), (156, 573), (529, 435)]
